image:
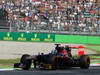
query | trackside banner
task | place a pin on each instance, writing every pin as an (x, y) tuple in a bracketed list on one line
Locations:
[(32, 37), (49, 37)]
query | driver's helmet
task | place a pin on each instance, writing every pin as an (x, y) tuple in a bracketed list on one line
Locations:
[(58, 47), (67, 48), (61, 48)]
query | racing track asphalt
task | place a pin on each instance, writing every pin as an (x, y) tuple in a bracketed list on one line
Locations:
[(71, 71)]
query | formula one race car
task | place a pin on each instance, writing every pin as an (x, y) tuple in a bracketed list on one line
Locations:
[(57, 59)]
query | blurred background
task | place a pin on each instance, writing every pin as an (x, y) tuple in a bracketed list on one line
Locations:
[(57, 16)]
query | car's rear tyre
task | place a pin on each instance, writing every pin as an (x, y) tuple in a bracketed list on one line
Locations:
[(26, 62), (84, 62)]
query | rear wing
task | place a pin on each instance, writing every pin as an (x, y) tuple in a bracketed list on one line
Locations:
[(77, 46)]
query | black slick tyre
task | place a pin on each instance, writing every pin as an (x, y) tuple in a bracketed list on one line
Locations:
[(84, 62)]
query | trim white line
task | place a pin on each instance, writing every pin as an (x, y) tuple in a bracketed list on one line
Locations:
[(95, 64), (7, 69)]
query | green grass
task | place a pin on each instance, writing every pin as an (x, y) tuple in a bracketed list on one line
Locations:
[(95, 61), (95, 57), (8, 63), (94, 47)]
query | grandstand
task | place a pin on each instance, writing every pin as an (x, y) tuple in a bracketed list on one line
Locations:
[(62, 16)]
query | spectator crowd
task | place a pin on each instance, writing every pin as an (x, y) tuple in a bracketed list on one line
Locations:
[(54, 15)]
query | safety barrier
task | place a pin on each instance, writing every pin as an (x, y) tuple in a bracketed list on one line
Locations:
[(48, 37), (22, 36)]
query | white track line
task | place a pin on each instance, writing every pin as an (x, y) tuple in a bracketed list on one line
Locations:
[(7, 69), (95, 64)]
